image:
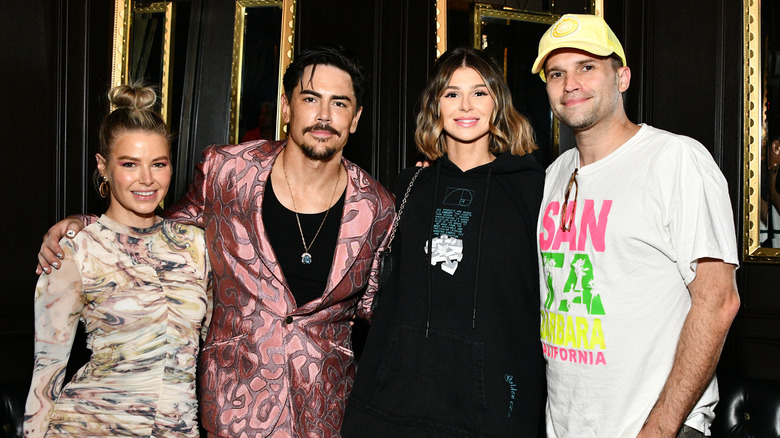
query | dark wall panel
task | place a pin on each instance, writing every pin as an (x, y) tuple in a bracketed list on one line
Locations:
[(206, 101), (29, 169), (684, 76), (55, 78)]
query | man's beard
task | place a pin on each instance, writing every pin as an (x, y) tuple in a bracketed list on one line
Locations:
[(312, 152)]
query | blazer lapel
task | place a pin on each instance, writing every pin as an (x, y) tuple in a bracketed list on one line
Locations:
[(265, 251)]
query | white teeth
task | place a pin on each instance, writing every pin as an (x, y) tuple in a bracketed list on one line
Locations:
[(144, 193)]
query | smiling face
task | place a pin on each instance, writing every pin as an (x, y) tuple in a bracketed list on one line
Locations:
[(322, 112), (138, 171), (584, 89), (466, 108)]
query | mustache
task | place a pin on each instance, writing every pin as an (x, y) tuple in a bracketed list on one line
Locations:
[(321, 127)]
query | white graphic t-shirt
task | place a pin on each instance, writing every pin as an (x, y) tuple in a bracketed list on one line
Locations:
[(614, 287)]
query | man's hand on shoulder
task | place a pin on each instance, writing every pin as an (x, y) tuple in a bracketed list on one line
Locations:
[(51, 253)]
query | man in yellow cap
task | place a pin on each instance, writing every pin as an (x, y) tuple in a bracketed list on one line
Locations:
[(637, 255)]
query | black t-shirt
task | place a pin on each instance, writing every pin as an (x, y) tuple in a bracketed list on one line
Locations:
[(306, 281)]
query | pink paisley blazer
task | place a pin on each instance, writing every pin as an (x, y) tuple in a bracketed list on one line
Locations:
[(269, 368)]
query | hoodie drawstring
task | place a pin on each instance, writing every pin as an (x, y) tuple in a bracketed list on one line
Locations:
[(479, 248), (430, 247)]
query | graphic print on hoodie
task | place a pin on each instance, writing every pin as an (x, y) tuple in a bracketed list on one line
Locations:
[(449, 221)]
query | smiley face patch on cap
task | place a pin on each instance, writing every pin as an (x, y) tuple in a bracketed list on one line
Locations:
[(565, 27)]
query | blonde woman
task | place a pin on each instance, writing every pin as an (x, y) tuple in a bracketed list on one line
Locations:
[(139, 283)]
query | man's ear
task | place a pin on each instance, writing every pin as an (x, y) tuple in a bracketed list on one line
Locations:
[(285, 109), (355, 119), (624, 78)]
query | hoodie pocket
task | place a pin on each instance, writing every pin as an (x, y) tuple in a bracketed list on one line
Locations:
[(435, 381)]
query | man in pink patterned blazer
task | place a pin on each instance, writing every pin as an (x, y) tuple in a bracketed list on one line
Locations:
[(292, 230)]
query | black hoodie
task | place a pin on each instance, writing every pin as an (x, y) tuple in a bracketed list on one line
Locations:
[(454, 348)]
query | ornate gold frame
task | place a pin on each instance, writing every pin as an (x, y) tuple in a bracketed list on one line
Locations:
[(753, 136), (123, 22), (484, 10), (441, 26), (597, 6), (287, 39), (122, 16)]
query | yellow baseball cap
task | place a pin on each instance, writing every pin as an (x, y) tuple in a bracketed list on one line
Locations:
[(578, 31)]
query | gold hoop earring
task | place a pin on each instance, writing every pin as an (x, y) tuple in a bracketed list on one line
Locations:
[(103, 188)]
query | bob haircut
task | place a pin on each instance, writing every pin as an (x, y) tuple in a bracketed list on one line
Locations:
[(509, 130)]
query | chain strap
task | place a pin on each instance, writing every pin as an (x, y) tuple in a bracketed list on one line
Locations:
[(401, 209)]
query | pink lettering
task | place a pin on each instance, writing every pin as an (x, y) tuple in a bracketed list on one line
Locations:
[(589, 225), (548, 224), (573, 355), (566, 236)]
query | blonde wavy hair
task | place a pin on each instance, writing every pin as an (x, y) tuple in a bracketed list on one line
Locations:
[(509, 130)]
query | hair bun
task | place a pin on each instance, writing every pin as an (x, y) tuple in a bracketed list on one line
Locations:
[(133, 97)]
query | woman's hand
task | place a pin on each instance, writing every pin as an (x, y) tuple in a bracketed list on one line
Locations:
[(51, 253)]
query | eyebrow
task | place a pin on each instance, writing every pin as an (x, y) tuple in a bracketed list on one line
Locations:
[(319, 95), (579, 63), (129, 158), (480, 85)]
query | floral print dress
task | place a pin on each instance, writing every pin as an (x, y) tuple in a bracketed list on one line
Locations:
[(143, 296)]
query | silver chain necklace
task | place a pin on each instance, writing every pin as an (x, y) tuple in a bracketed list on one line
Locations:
[(306, 257)]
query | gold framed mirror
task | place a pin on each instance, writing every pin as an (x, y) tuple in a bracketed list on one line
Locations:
[(143, 38), (441, 13), (263, 39), (761, 133), (504, 33)]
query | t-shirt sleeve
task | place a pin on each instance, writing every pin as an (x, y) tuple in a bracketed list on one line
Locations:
[(702, 222), (58, 304)]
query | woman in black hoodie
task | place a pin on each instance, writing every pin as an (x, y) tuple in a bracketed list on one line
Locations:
[(454, 349)]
